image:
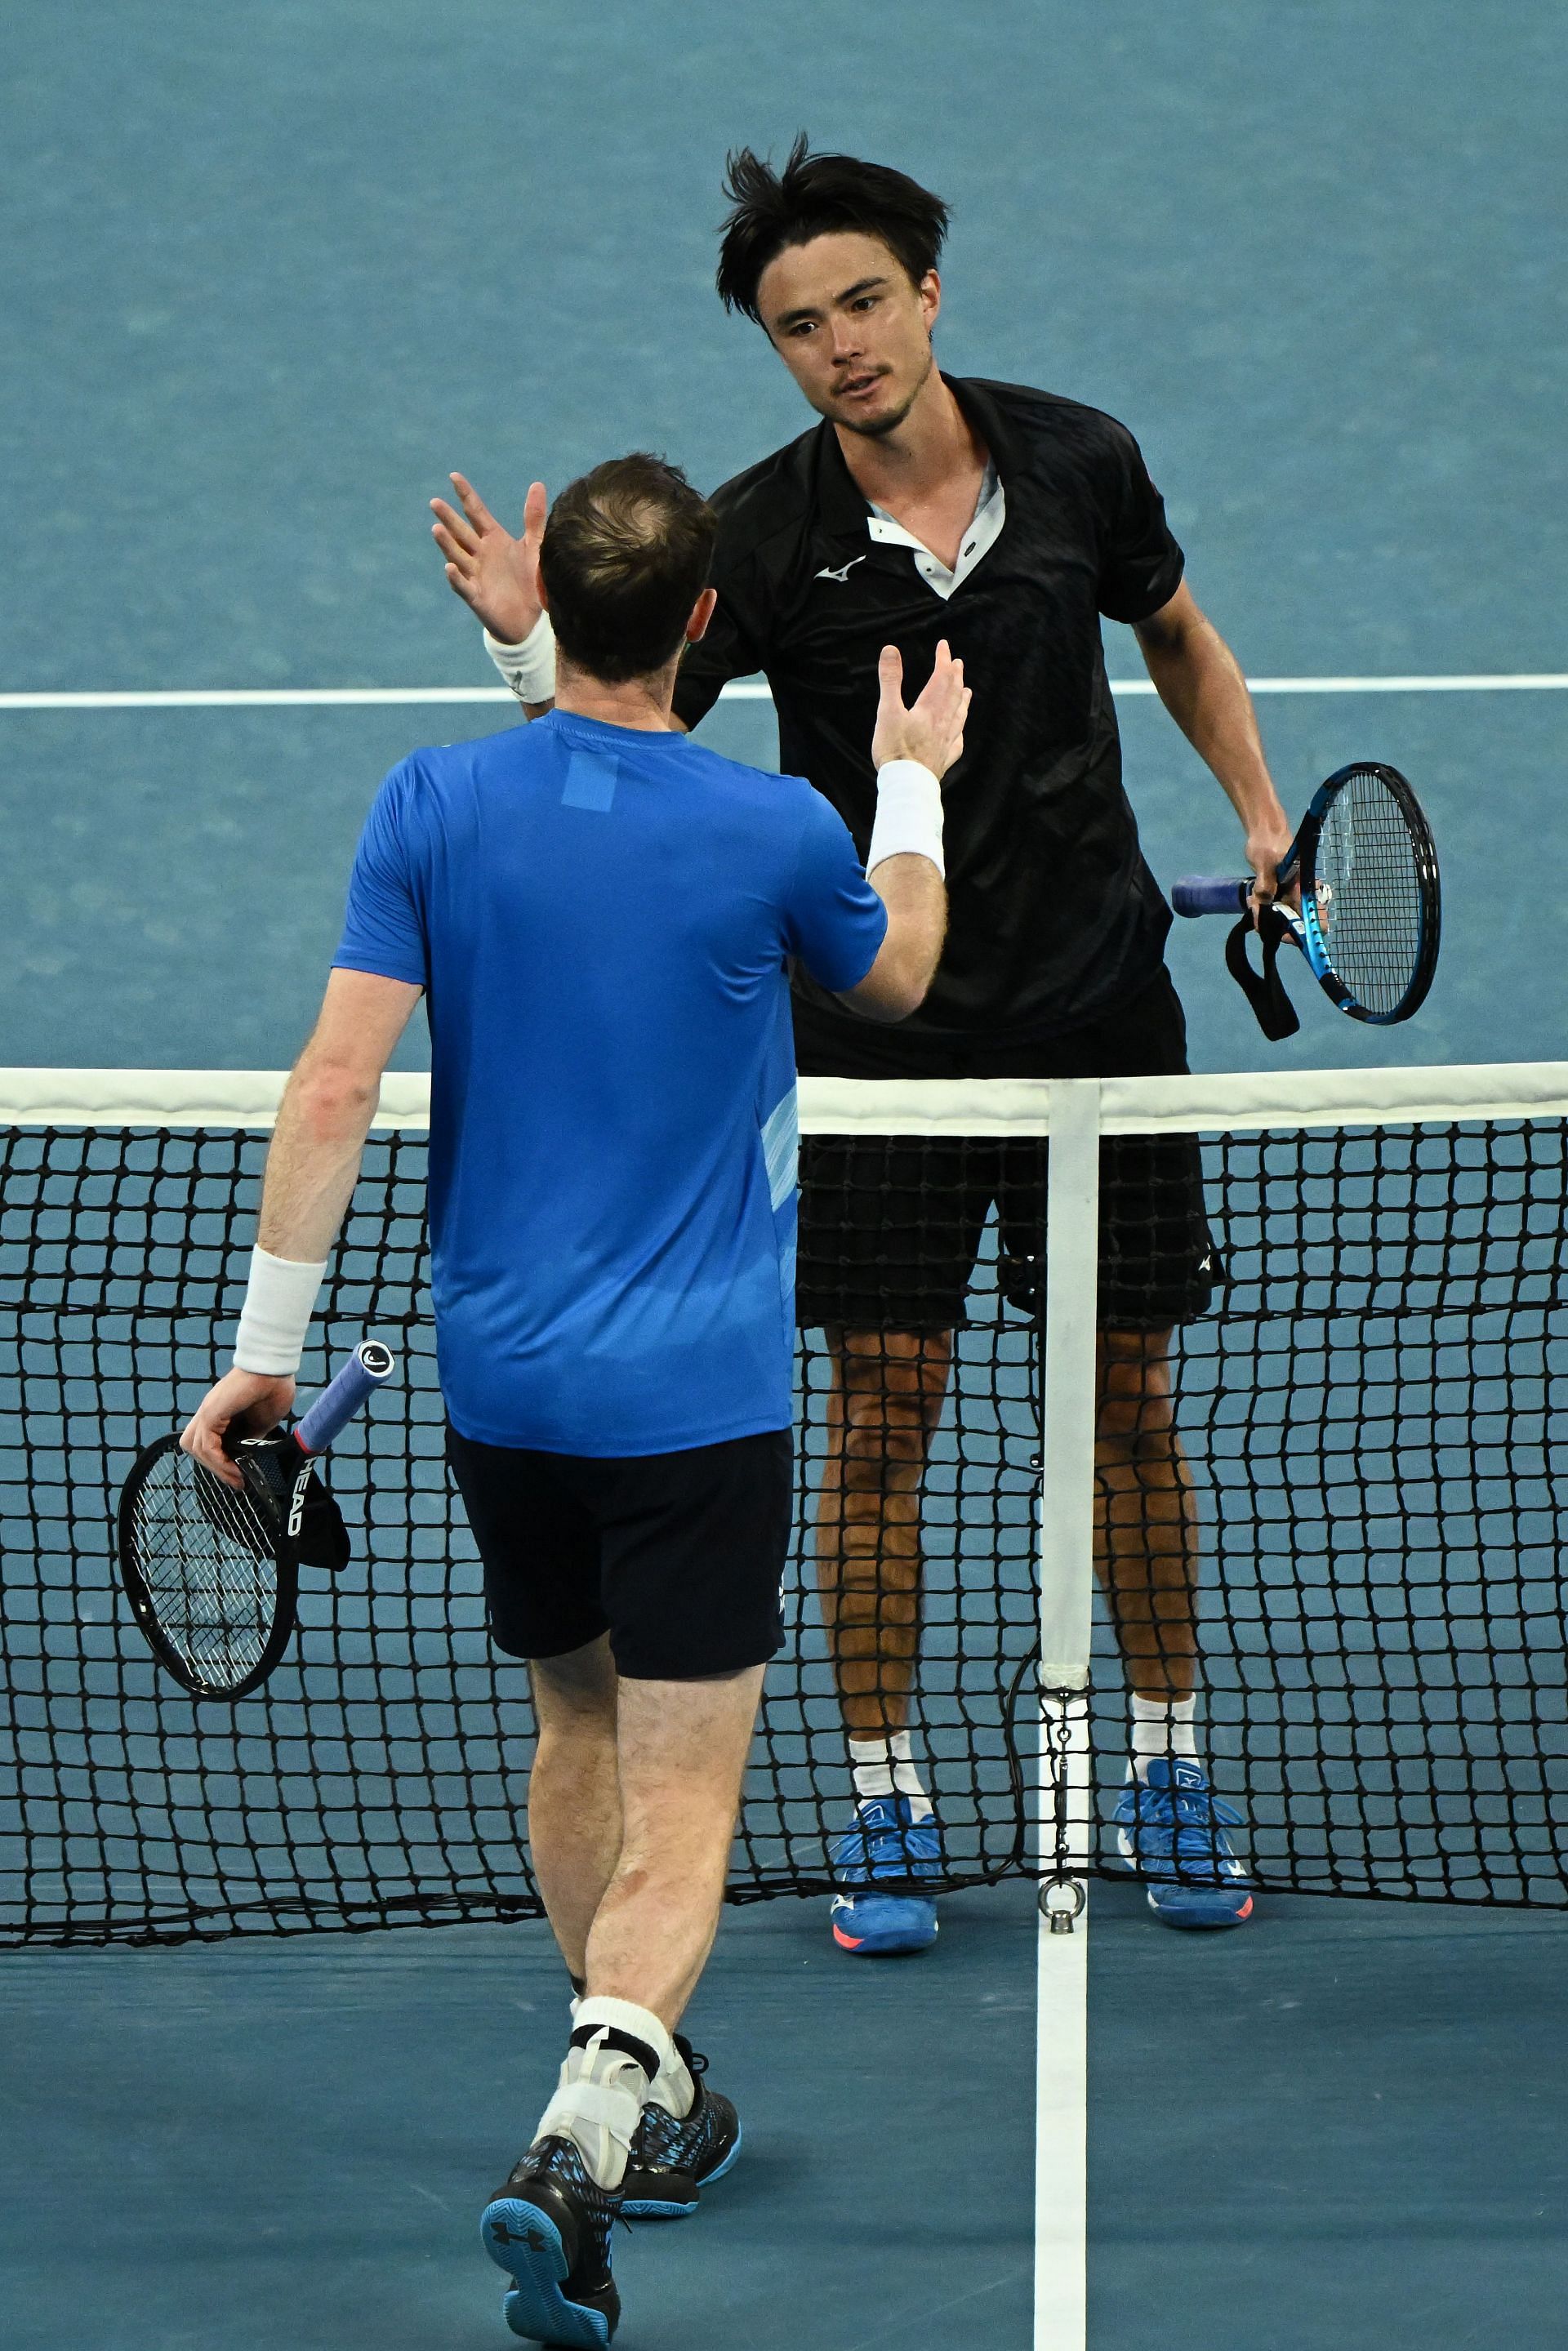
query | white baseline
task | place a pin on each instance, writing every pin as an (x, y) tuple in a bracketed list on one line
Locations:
[(746, 689)]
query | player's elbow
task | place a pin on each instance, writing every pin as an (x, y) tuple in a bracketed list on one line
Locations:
[(331, 1096), (897, 983)]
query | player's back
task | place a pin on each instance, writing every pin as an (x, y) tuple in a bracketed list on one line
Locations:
[(603, 918)]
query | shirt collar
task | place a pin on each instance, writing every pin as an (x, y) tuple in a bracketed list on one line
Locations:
[(840, 500)]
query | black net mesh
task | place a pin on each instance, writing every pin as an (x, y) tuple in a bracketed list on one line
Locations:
[(1369, 1523)]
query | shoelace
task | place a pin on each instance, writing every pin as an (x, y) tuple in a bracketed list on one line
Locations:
[(883, 1840), (1199, 1816)]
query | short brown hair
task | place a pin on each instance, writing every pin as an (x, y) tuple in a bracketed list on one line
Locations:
[(626, 553)]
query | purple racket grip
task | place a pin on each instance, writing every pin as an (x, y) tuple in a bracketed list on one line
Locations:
[(1209, 894), (366, 1368)]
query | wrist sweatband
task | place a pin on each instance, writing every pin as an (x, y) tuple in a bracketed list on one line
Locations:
[(279, 1299), (528, 668), (908, 815)]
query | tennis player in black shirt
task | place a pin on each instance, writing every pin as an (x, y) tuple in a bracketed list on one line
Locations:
[(1007, 520)]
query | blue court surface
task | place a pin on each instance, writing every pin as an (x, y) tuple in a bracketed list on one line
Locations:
[(273, 273)]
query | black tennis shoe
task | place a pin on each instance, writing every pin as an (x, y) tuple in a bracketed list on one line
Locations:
[(550, 2227), (673, 2161)]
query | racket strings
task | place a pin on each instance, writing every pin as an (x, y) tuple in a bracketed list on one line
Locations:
[(1369, 893), (206, 1556)]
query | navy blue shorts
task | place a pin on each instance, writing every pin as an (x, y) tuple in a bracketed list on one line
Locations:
[(679, 1557)]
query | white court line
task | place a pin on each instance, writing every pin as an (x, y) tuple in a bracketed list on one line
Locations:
[(748, 689), (1061, 2138)]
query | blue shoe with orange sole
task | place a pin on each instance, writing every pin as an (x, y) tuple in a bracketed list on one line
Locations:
[(1170, 1828), (883, 1844)]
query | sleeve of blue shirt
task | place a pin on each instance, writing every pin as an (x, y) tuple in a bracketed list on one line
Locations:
[(834, 921), (382, 931)]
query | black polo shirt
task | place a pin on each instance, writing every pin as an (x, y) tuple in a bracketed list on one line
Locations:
[(1055, 918)]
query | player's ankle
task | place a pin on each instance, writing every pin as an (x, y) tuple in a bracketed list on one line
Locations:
[(883, 1765), (1162, 1729)]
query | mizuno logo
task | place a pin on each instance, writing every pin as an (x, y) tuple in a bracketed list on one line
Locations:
[(841, 575)]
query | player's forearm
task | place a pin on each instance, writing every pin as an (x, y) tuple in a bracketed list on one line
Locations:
[(915, 896), (1199, 680), (314, 1161)]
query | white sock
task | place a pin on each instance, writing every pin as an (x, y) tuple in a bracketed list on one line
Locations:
[(1162, 1728), (600, 2097), (885, 1767)]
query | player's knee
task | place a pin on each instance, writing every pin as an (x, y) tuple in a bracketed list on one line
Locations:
[(882, 1447)]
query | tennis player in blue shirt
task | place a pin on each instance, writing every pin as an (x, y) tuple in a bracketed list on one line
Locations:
[(600, 916)]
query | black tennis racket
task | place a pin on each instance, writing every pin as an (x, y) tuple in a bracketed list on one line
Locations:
[(1371, 914), (212, 1572)]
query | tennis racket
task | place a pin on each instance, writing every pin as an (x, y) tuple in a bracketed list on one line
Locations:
[(212, 1572), (1371, 912)]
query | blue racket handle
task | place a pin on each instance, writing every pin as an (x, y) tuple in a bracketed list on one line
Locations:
[(366, 1368), (1209, 894)]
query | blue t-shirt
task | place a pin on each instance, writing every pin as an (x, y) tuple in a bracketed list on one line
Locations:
[(602, 919)]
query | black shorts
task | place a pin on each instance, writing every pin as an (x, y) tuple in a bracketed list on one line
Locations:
[(891, 1227), (679, 1557)]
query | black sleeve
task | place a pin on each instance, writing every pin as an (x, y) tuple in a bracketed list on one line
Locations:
[(1141, 564), (726, 651)]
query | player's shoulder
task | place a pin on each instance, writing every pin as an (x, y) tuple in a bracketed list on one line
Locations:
[(786, 800), (424, 779), (770, 499), (1050, 418)]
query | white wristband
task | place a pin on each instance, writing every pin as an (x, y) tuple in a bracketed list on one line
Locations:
[(908, 815), (279, 1299), (528, 668)]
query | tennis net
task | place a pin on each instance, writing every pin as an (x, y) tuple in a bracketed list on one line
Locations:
[(1370, 1403)]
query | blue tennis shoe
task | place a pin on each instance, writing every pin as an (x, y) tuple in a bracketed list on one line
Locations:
[(1171, 1829), (884, 1844)]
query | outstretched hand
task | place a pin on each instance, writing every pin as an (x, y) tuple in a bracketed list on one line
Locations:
[(932, 729), (496, 576)]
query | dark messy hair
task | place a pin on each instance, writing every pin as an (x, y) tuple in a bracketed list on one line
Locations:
[(626, 553), (813, 197)]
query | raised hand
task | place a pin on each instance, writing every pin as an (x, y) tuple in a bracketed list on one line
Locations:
[(495, 575), (932, 730)]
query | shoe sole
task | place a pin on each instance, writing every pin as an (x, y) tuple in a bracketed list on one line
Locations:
[(1199, 1923), (872, 1946), (651, 2209), (532, 2255)]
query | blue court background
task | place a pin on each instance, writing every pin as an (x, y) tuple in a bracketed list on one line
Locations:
[(272, 273)]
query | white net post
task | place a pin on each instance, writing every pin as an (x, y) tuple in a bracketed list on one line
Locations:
[(1067, 1487), (1066, 1611)]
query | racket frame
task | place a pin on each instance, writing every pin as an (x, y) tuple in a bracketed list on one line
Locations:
[(367, 1368), (286, 1571), (1303, 925)]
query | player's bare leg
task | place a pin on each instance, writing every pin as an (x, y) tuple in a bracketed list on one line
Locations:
[(1145, 1522), (656, 1768), (574, 1792), (632, 1805), (1145, 1553), (883, 1403)]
